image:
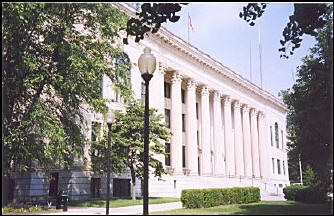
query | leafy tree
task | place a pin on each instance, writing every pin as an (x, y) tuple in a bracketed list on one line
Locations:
[(128, 144), (309, 177), (305, 20), (310, 103), (54, 56)]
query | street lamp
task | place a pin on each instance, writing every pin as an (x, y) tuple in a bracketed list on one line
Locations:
[(110, 118), (146, 64)]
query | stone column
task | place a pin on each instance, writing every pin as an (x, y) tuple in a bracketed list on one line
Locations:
[(191, 128), (238, 153), (229, 145), (176, 124), (218, 136), (157, 98), (255, 145), (247, 141), (205, 128), (264, 158)]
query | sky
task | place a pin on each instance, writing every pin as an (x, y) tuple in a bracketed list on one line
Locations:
[(222, 34)]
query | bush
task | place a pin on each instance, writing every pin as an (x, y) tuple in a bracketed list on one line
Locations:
[(205, 198), (291, 191), (307, 194)]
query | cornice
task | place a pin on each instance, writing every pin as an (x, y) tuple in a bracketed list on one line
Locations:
[(178, 44)]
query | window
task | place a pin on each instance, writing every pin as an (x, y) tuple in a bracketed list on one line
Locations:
[(167, 90), (276, 135), (197, 138), (273, 162), (282, 138), (283, 167), (278, 166), (183, 122), (167, 154), (183, 156), (271, 136), (196, 110), (183, 96), (167, 118), (96, 130)]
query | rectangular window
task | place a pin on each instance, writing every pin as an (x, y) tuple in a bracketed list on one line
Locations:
[(283, 167), (167, 90), (271, 136), (183, 96), (167, 154), (197, 138), (183, 122), (167, 118), (278, 166), (183, 156), (273, 162), (96, 130), (196, 110)]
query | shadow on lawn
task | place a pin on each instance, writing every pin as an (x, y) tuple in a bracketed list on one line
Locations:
[(287, 208)]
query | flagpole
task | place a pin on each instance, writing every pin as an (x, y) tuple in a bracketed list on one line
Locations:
[(188, 27), (250, 59), (260, 53)]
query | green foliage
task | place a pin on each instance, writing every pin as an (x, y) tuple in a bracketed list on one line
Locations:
[(205, 198), (309, 177), (127, 135), (310, 104), (290, 192), (50, 74), (307, 194)]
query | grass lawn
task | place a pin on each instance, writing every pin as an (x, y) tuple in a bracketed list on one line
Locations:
[(114, 203), (261, 208)]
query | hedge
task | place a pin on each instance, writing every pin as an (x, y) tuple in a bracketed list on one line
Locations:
[(306, 194), (205, 198)]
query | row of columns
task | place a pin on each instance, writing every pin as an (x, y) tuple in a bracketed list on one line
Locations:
[(241, 155)]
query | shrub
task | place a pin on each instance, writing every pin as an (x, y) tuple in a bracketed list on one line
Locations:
[(199, 198), (307, 194), (290, 192)]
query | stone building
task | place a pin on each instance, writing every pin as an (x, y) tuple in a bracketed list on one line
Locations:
[(226, 130)]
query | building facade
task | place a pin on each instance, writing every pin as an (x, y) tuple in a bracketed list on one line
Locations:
[(226, 131)]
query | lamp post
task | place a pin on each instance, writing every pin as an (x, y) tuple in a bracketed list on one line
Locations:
[(146, 64), (110, 118)]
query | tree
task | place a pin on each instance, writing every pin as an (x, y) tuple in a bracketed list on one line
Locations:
[(128, 144), (54, 56), (306, 19), (310, 104)]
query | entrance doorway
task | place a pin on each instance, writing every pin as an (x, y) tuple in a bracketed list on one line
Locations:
[(121, 187)]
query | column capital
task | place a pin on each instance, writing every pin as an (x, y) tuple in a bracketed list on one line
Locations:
[(204, 90), (176, 77), (261, 115), (245, 108), (162, 67), (227, 100), (216, 96), (191, 84), (253, 112), (236, 104)]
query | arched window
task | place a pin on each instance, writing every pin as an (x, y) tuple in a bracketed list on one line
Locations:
[(276, 135), (122, 78)]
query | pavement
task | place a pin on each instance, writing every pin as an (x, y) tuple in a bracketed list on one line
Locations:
[(138, 209), (128, 210)]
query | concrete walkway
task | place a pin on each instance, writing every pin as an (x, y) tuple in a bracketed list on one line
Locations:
[(129, 210), (138, 209)]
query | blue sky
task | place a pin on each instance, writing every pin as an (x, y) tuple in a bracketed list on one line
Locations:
[(224, 36)]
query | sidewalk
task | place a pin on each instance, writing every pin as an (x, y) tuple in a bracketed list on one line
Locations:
[(128, 210), (138, 209)]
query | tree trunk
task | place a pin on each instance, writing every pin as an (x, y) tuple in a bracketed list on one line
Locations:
[(133, 183)]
